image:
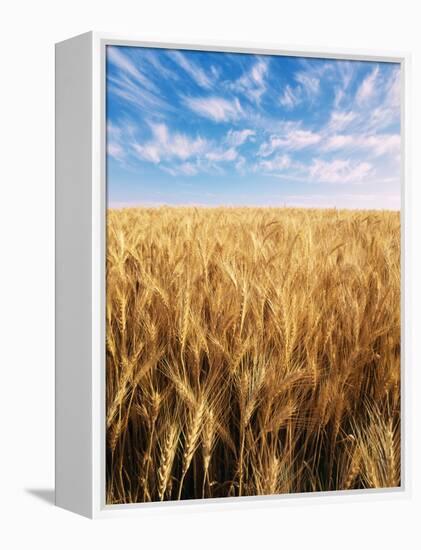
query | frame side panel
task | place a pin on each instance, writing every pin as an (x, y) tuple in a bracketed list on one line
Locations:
[(73, 81)]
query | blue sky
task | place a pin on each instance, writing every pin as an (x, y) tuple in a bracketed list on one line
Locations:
[(207, 128)]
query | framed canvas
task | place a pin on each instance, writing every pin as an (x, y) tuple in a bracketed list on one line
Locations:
[(231, 306)]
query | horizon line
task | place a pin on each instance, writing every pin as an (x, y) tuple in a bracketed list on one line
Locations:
[(232, 206)]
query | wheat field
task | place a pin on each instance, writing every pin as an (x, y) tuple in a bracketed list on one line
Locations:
[(251, 351)]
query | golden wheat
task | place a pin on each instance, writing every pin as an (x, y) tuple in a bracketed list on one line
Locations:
[(251, 351)]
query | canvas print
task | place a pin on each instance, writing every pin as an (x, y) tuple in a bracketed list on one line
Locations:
[(252, 275)]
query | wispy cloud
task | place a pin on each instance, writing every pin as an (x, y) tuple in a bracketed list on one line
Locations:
[(367, 88), (179, 154), (276, 164), (339, 120), (115, 150), (115, 143), (134, 93), (294, 140), (217, 109), (165, 146), (126, 66), (387, 111), (183, 169), (346, 71), (393, 90), (154, 60), (290, 97), (252, 83), (309, 82), (376, 144), (383, 143), (222, 155), (338, 141), (299, 139), (240, 165), (238, 137), (308, 79), (339, 171), (192, 69)]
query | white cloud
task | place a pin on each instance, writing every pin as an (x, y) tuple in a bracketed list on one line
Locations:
[(153, 58), (259, 71), (299, 139), (115, 150), (217, 109), (188, 169), (309, 82), (291, 97), (113, 132), (195, 71), (115, 141), (339, 96), (376, 144), (268, 147), (340, 120), (388, 111), (338, 141), (381, 117), (149, 152), (178, 154), (276, 164), (384, 143), (238, 137), (125, 88), (183, 169), (367, 88), (125, 64), (215, 72), (339, 171), (293, 140), (220, 155), (393, 94), (346, 71), (240, 165), (184, 147), (252, 83), (165, 146)]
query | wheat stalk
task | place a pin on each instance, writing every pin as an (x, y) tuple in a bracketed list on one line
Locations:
[(259, 336)]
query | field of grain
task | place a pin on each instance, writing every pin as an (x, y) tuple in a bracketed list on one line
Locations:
[(251, 351)]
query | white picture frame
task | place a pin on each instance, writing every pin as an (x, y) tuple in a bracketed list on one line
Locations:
[(80, 278)]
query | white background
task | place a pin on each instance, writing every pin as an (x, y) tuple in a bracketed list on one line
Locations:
[(28, 31)]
